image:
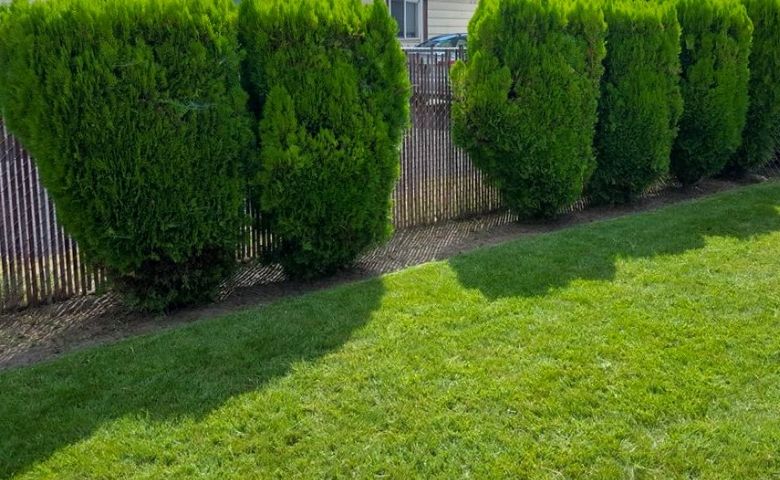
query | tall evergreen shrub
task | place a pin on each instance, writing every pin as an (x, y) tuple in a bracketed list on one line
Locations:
[(526, 100), (761, 137), (329, 88), (640, 100), (134, 113), (716, 37)]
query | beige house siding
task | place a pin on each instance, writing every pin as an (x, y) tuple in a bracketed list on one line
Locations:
[(442, 16), (449, 16)]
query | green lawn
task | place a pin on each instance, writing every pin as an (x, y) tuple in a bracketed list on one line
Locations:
[(643, 347)]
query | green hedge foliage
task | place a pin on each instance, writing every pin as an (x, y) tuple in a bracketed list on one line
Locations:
[(716, 38), (640, 100), (526, 100), (328, 84), (134, 112), (761, 137)]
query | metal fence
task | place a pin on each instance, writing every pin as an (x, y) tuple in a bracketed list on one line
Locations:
[(39, 263)]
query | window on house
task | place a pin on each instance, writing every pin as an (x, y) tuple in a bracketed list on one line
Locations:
[(407, 13)]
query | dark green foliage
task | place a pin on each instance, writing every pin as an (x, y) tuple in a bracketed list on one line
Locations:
[(761, 136), (640, 100), (328, 83), (526, 100), (134, 112), (716, 36)]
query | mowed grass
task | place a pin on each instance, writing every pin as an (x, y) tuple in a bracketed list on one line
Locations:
[(643, 347)]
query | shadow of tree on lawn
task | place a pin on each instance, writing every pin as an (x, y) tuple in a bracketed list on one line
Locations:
[(183, 373), (533, 267), (191, 371)]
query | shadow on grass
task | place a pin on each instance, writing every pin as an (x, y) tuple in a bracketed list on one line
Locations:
[(189, 372), (183, 373), (534, 267)]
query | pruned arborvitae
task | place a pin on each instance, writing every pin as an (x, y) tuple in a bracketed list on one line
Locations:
[(761, 136), (716, 37), (640, 101), (526, 100), (134, 113), (329, 88)]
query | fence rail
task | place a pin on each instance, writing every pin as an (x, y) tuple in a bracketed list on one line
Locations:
[(40, 263)]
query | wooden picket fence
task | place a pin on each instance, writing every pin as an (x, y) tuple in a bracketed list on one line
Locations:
[(40, 263)]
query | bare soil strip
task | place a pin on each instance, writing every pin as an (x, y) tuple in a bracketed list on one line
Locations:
[(42, 333)]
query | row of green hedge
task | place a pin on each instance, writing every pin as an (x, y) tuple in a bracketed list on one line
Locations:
[(137, 114), (533, 105), (151, 119)]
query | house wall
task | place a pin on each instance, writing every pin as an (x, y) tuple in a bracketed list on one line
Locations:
[(443, 16), (449, 16)]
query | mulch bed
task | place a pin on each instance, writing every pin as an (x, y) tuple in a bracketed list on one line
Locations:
[(42, 333)]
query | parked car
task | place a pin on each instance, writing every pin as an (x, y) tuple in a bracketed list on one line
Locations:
[(442, 48), (429, 65), (452, 40)]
